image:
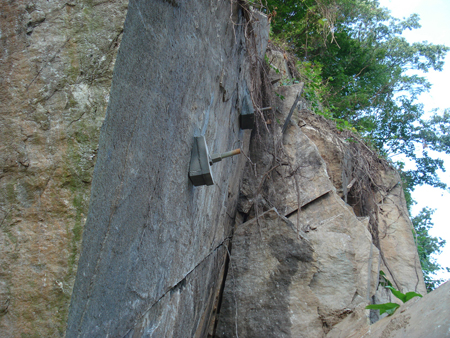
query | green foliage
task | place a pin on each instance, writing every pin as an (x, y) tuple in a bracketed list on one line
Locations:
[(390, 308), (427, 246), (358, 69), (384, 281), (361, 72), (403, 297), (314, 90)]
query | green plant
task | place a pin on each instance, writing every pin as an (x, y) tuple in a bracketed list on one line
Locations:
[(357, 66), (390, 308), (427, 246)]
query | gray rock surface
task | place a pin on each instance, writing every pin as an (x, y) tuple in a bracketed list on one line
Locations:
[(188, 309), (385, 204), (274, 291), (346, 258), (155, 248), (181, 72), (289, 171), (344, 272), (269, 265)]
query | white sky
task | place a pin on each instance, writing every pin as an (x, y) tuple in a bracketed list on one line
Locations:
[(434, 18)]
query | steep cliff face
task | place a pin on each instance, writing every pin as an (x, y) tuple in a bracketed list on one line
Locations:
[(308, 216), (154, 246), (56, 64)]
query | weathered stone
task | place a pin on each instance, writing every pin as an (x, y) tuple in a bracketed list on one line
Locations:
[(346, 258), (176, 76), (155, 247), (353, 323), (56, 65), (279, 70), (302, 178), (289, 173), (419, 317), (385, 204), (400, 257), (187, 309), (341, 278), (345, 244), (267, 291)]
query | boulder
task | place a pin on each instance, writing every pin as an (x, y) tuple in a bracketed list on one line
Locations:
[(376, 193), (267, 291), (419, 317), (340, 198)]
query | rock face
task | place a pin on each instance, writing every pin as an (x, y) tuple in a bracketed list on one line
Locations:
[(307, 175), (419, 317), (56, 65), (376, 194), (268, 277), (154, 245), (287, 243)]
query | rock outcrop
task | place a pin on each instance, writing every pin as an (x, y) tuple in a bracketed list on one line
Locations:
[(56, 66), (374, 190), (307, 174), (268, 281), (287, 243), (154, 246), (419, 317)]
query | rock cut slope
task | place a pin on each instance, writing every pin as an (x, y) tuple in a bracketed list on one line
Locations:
[(294, 193), (287, 243)]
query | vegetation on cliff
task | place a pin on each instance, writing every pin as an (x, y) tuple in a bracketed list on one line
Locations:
[(362, 73), (428, 245)]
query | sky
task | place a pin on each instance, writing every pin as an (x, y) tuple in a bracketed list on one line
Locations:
[(434, 15)]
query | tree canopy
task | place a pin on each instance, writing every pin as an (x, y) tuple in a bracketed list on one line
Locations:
[(370, 76), (427, 245)]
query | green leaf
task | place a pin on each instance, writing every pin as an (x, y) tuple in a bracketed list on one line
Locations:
[(280, 96), (411, 295), (385, 280), (389, 308), (397, 293), (390, 311)]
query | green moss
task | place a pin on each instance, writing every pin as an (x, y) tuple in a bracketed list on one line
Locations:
[(71, 102), (73, 70), (11, 195), (37, 139), (82, 136), (77, 231), (77, 174), (7, 229), (11, 237)]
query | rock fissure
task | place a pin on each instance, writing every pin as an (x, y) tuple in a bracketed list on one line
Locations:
[(47, 63), (180, 283)]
